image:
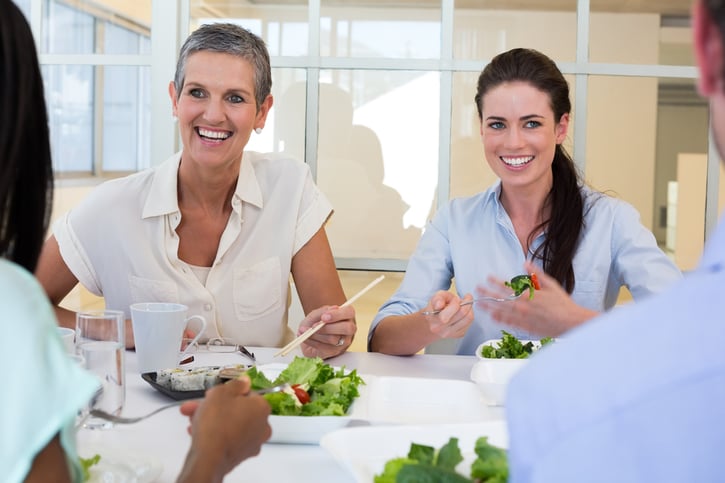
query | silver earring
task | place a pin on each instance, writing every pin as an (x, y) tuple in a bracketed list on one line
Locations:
[(258, 130)]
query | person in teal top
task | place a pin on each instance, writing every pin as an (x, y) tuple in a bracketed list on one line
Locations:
[(42, 388), (39, 407)]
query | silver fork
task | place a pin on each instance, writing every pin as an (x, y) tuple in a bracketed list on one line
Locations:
[(98, 413), (513, 296)]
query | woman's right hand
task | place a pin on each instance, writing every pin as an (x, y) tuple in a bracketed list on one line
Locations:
[(452, 321)]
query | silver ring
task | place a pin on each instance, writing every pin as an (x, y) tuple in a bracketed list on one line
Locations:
[(340, 341)]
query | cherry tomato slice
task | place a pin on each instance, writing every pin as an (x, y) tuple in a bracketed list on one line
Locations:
[(302, 395), (535, 281)]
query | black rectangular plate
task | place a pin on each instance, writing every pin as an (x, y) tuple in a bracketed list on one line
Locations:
[(150, 377)]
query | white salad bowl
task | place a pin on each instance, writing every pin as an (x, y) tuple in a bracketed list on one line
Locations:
[(493, 375)]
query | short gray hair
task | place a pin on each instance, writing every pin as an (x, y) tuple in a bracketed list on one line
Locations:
[(228, 38)]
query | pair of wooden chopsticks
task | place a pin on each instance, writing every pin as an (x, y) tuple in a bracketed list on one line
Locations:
[(310, 332)]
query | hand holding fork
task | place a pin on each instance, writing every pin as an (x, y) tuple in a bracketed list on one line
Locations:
[(479, 299)]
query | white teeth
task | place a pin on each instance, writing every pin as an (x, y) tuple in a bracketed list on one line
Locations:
[(213, 134), (517, 161)]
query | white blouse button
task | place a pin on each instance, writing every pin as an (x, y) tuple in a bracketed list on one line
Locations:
[(207, 307)]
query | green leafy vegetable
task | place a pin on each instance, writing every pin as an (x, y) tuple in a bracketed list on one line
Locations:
[(86, 464), (511, 348), (425, 464), (522, 282), (331, 391), (491, 465)]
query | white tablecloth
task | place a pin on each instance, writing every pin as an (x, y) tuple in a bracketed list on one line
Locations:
[(164, 438)]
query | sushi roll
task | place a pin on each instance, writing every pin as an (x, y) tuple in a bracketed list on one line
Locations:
[(191, 380), (211, 377), (163, 377)]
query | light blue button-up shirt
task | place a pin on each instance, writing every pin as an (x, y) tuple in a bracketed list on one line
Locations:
[(637, 395), (472, 238)]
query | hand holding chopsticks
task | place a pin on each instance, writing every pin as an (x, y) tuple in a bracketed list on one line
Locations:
[(312, 331)]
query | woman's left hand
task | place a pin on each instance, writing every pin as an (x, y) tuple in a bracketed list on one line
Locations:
[(550, 313), (333, 339)]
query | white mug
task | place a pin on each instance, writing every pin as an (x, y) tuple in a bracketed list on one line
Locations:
[(158, 328)]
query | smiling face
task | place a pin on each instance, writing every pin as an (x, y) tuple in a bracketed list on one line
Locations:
[(520, 134), (216, 109)]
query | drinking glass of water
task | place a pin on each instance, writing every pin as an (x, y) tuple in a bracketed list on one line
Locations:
[(100, 340)]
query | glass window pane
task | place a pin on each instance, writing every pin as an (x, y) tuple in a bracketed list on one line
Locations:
[(69, 97), (24, 6), (360, 29), (661, 29), (654, 156), (284, 27), (66, 30), (470, 173), (120, 40), (378, 158), (71, 29), (284, 130), (126, 118), (481, 31)]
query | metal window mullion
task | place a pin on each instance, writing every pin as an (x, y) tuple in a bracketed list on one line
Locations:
[(581, 83), (36, 22), (712, 190), (311, 121), (445, 108), (166, 26), (580, 121), (99, 76), (313, 86)]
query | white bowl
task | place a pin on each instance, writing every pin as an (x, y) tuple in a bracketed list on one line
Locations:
[(492, 377)]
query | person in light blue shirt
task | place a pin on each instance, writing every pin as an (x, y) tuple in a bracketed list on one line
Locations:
[(637, 395), (582, 244)]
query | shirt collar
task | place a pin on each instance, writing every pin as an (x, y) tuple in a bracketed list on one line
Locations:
[(163, 195), (162, 198), (248, 189), (494, 194)]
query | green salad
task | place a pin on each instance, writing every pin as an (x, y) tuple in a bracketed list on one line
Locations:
[(511, 348), (524, 282), (86, 464), (317, 389), (426, 464)]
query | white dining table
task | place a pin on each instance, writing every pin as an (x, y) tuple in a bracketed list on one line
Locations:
[(163, 438)]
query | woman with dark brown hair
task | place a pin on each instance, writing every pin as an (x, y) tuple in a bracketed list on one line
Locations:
[(540, 218)]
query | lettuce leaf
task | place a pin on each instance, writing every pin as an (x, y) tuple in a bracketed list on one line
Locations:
[(331, 391), (425, 464)]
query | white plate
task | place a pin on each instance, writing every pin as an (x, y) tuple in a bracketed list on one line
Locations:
[(388, 400), (413, 400), (364, 451), (308, 429), (120, 465)]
